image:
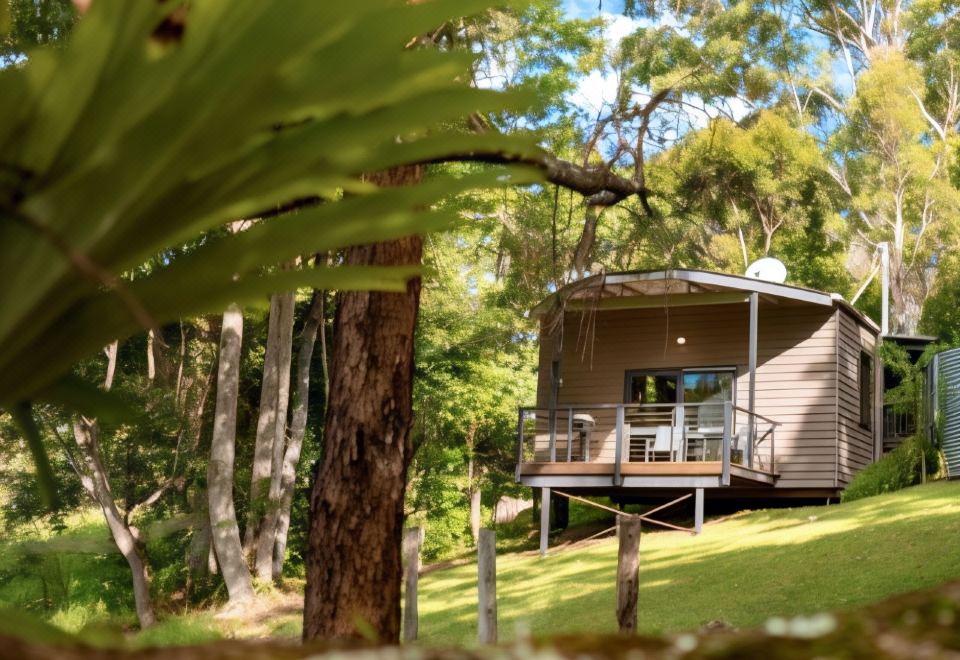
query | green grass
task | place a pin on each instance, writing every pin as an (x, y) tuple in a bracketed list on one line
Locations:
[(741, 571), (77, 580), (178, 631)]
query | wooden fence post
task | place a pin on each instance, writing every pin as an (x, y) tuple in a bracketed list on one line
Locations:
[(412, 540), (628, 574), (487, 585)]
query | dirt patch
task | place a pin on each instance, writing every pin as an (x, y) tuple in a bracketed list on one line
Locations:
[(260, 618)]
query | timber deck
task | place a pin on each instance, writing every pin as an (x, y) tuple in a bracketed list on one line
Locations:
[(691, 474)]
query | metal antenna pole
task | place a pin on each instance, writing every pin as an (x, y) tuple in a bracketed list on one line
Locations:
[(884, 287)]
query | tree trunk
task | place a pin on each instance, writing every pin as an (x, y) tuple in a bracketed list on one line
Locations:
[(198, 551), (473, 490), (475, 514), (581, 256), (905, 307), (151, 361), (266, 432), (298, 427), (223, 516), (268, 528), (97, 484), (356, 526)]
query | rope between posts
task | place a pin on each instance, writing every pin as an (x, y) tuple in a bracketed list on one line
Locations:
[(645, 517)]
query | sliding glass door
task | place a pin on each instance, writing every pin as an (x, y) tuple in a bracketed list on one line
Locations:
[(698, 386), (664, 430)]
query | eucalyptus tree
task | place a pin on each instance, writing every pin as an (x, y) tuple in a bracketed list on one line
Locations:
[(892, 121), (224, 531), (313, 326), (758, 187), (259, 535), (679, 66)]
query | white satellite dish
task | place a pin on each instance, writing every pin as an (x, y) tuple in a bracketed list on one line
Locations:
[(768, 269)]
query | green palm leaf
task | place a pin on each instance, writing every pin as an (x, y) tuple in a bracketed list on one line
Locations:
[(143, 134)]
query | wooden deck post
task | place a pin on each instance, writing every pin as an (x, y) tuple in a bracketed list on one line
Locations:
[(698, 511), (487, 585), (412, 540), (752, 366), (628, 574), (619, 448), (544, 520), (727, 439)]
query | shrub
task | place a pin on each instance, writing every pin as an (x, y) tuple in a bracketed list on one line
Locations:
[(898, 469)]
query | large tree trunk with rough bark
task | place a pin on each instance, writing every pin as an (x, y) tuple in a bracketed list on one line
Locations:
[(223, 516), (268, 524), (353, 547), (298, 426), (96, 483)]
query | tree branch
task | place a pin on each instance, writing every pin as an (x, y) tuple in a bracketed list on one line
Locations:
[(599, 185)]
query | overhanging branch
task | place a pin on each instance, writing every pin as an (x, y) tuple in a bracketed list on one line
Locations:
[(599, 185)]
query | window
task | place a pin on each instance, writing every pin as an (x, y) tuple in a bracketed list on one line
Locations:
[(865, 379), (707, 386), (652, 387)]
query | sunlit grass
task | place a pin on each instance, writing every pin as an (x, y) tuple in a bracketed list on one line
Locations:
[(741, 571)]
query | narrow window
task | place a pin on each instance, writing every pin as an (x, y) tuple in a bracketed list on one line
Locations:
[(865, 378)]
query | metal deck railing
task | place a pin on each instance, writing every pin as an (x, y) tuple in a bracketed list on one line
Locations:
[(618, 433)]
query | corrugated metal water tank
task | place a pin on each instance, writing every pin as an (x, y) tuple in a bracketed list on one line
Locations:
[(946, 369)]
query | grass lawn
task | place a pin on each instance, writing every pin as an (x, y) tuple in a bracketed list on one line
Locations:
[(742, 570)]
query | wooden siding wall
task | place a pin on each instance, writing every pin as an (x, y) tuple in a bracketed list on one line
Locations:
[(796, 371), (856, 445)]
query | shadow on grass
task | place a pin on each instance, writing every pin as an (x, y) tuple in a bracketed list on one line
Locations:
[(742, 571)]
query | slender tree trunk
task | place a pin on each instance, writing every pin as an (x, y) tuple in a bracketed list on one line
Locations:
[(111, 352), (905, 307), (151, 358), (356, 525), (181, 359), (266, 432), (475, 511), (472, 487), (223, 516), (198, 552), (298, 426), (96, 483), (268, 529)]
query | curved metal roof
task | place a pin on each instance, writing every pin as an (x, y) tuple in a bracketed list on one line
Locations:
[(679, 281)]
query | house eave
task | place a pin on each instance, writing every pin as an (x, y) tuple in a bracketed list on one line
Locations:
[(706, 281)]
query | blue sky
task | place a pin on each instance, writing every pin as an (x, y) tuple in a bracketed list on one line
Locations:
[(597, 88), (590, 8)]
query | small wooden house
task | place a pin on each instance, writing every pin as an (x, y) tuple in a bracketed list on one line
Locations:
[(664, 382)]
